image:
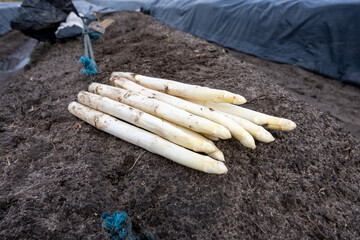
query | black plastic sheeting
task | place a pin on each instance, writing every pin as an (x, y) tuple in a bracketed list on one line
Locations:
[(9, 10), (39, 19), (321, 36)]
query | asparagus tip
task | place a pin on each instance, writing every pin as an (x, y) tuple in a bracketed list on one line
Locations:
[(217, 168), (239, 100), (265, 136), (218, 155), (287, 125)]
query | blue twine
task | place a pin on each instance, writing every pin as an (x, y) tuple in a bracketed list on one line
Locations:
[(95, 35), (89, 66), (118, 227)]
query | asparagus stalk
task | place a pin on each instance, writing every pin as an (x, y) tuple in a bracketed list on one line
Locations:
[(169, 131), (236, 130), (262, 119), (258, 132), (146, 140), (161, 110), (182, 89), (212, 138), (218, 155)]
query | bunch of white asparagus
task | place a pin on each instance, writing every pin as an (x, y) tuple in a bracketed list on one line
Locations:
[(178, 118)]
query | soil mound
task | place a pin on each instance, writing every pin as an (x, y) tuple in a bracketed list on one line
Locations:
[(57, 178)]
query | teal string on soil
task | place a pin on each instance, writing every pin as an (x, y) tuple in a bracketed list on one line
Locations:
[(89, 64), (119, 227), (95, 36)]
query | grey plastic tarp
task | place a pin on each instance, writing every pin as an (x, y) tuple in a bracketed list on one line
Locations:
[(8, 12), (321, 36)]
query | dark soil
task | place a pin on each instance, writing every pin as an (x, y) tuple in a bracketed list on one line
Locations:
[(10, 42), (15, 48), (57, 179)]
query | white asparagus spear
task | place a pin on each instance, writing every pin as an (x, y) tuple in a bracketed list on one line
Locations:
[(174, 133), (146, 140), (161, 110), (236, 130), (212, 138), (265, 120), (217, 154), (162, 128), (258, 132), (182, 89)]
